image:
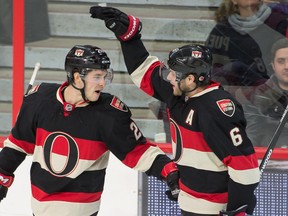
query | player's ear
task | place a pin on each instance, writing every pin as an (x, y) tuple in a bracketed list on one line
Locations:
[(190, 78), (77, 78)]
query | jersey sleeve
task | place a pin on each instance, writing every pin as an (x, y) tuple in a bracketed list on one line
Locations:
[(126, 141), (144, 70), (225, 134), (21, 139)]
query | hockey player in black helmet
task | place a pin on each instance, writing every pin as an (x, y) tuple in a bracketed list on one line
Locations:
[(83, 59), (217, 163), (70, 129), (188, 60)]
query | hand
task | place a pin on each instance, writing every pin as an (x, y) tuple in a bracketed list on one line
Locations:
[(172, 182), (238, 212), (124, 26), (170, 175), (6, 180)]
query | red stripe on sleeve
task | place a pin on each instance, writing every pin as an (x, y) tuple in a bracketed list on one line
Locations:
[(241, 162), (146, 84), (26, 146), (134, 156)]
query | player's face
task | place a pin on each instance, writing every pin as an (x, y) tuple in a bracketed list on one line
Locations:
[(172, 79), (280, 66), (95, 82), (183, 83)]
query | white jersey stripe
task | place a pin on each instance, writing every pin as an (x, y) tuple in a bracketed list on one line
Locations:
[(245, 177), (138, 74), (147, 159), (60, 208)]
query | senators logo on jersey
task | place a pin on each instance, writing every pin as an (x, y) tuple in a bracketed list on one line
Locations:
[(227, 107), (118, 104)]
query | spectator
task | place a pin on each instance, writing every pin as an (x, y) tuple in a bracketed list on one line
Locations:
[(70, 130), (241, 41), (266, 104)]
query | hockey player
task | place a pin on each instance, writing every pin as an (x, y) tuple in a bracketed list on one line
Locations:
[(70, 130), (217, 164)]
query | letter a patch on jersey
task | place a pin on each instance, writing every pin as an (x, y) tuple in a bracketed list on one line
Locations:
[(118, 104), (226, 106)]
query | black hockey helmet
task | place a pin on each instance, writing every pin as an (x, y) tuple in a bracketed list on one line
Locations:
[(191, 59), (81, 58)]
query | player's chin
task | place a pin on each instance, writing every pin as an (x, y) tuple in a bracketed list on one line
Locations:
[(176, 92), (94, 97)]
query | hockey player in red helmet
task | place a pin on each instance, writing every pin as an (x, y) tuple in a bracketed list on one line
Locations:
[(70, 129), (217, 163)]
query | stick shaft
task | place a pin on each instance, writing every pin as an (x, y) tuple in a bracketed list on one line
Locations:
[(31, 82), (274, 140)]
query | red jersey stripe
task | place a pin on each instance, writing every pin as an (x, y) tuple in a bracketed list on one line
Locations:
[(79, 197), (146, 84), (215, 197), (88, 149), (134, 156), (26, 146), (241, 162)]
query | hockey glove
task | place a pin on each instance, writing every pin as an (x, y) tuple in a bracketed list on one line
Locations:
[(6, 180), (238, 212), (170, 175), (124, 26)]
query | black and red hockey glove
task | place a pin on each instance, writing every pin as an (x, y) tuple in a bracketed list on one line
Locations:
[(170, 175), (6, 180), (124, 26), (238, 212)]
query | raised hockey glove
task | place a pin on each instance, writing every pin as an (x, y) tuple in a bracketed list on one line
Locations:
[(124, 26), (170, 175), (238, 212), (6, 180)]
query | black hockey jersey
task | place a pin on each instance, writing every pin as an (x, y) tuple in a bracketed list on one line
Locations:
[(71, 150), (216, 160)]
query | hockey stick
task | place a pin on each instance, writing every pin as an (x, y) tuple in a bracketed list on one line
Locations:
[(274, 140), (36, 69)]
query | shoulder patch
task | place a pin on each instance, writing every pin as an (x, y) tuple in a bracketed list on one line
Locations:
[(226, 106), (33, 90), (118, 104)]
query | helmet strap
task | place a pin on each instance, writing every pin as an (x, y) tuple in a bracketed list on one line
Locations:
[(82, 91)]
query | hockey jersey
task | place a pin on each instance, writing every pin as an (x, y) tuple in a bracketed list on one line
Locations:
[(71, 150), (216, 160)]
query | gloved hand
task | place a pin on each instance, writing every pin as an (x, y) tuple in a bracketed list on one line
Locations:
[(238, 212), (6, 180), (170, 174), (124, 26)]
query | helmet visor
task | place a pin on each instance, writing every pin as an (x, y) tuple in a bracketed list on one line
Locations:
[(105, 75), (165, 71)]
